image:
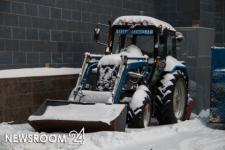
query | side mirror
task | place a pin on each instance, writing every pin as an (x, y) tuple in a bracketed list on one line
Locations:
[(97, 33), (179, 37)]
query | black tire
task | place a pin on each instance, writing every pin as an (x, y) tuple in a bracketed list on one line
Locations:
[(137, 117), (167, 98)]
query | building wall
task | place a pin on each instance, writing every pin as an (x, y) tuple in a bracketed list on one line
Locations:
[(220, 22), (176, 12), (187, 13), (36, 33), (212, 15), (57, 32), (207, 13)]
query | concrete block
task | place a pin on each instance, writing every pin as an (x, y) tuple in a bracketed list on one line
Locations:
[(18, 33), (25, 46), (68, 58), (5, 57), (25, 21), (44, 2), (5, 32), (19, 58), (76, 15), (56, 13), (5, 6), (2, 44), (11, 45), (77, 37), (66, 14), (44, 35), (57, 58), (31, 34), (18, 8), (43, 11), (10, 19), (67, 36), (56, 35), (31, 10), (33, 58), (45, 58)]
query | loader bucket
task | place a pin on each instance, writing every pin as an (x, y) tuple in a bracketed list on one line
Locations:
[(65, 116)]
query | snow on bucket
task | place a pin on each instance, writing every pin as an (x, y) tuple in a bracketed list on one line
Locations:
[(64, 116)]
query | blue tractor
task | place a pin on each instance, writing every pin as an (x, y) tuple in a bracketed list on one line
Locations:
[(139, 71)]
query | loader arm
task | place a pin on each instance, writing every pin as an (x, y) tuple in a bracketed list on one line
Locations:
[(90, 62), (125, 67)]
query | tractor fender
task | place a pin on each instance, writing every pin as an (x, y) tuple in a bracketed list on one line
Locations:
[(172, 65)]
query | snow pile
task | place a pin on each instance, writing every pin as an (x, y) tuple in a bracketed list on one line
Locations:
[(115, 59), (144, 19), (36, 72), (132, 51), (86, 96), (204, 114), (96, 112), (188, 135)]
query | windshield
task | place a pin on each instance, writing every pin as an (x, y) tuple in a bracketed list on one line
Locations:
[(142, 38)]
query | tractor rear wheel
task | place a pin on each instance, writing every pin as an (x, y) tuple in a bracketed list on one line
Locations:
[(171, 98)]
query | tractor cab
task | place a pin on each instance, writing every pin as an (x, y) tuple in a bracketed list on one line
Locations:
[(155, 38)]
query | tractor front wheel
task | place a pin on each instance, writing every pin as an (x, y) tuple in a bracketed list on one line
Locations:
[(140, 109)]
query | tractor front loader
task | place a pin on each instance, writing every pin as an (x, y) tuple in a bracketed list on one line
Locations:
[(136, 79)]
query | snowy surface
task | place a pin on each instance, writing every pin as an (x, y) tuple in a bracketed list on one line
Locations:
[(132, 51), (86, 96), (144, 19), (188, 135), (81, 112), (171, 62), (114, 59), (36, 72), (219, 70)]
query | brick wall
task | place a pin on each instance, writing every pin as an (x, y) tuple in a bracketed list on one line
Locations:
[(56, 32), (22, 96), (34, 33)]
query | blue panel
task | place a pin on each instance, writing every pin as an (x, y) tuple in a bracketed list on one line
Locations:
[(218, 58), (217, 101)]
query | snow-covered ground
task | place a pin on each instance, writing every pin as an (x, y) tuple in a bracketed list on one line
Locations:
[(36, 72), (188, 135)]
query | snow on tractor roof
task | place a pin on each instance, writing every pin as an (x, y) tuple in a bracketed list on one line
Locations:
[(142, 19)]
